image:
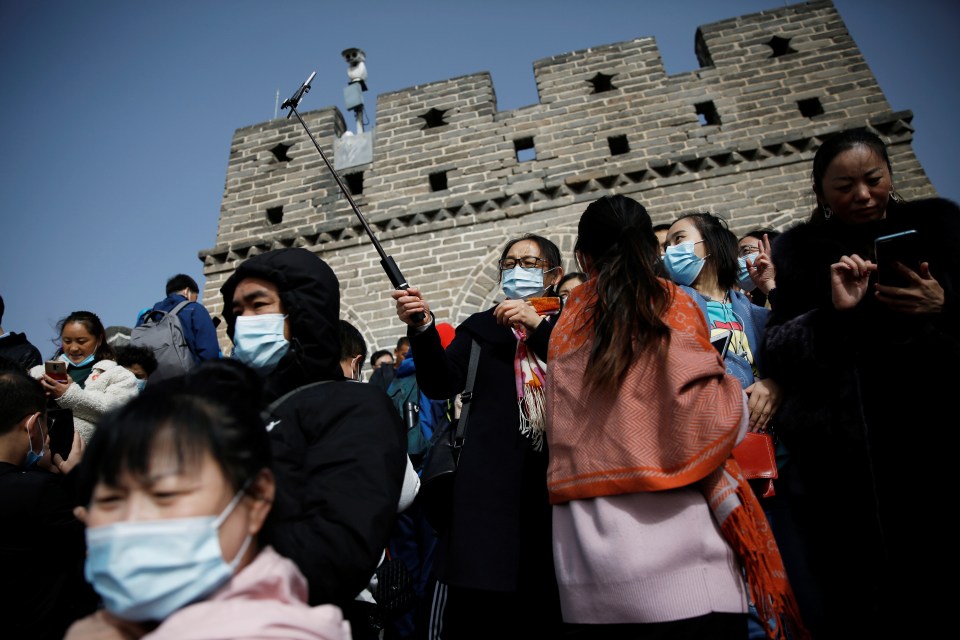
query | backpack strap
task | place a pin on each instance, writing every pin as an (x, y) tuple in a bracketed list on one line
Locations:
[(467, 395), (148, 315), (177, 309), (279, 401)]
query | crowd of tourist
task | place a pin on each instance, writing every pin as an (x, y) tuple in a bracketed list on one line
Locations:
[(272, 490)]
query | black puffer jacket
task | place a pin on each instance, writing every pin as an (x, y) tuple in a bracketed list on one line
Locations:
[(16, 347), (339, 449)]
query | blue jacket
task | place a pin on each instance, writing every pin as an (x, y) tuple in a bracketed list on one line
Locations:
[(431, 411), (197, 326)]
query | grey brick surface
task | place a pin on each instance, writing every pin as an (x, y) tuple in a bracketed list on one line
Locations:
[(753, 168)]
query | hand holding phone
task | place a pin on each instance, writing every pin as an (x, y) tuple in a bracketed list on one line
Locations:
[(56, 369), (903, 247), (60, 423)]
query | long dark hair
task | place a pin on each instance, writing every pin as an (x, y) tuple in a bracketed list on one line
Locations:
[(91, 322), (615, 232)]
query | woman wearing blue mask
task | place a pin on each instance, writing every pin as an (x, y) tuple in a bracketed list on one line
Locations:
[(176, 487), (757, 276), (495, 555), (96, 382), (701, 257)]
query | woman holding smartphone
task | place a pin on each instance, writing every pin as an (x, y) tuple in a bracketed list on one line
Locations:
[(865, 388), (95, 383)]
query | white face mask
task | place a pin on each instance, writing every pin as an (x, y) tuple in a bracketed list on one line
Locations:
[(146, 570), (258, 340)]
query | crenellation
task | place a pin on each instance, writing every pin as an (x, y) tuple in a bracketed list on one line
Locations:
[(750, 162)]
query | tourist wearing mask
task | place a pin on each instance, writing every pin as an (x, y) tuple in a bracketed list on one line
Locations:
[(96, 382), (495, 556), (339, 447), (175, 489), (653, 521)]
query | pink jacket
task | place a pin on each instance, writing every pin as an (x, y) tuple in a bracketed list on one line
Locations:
[(267, 599)]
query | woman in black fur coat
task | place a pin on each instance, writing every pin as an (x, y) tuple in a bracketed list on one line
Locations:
[(868, 373)]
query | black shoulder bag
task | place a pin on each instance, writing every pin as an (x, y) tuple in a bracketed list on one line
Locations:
[(440, 463)]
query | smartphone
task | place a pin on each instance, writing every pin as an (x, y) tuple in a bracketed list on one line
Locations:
[(60, 422), (56, 369), (721, 341), (903, 247)]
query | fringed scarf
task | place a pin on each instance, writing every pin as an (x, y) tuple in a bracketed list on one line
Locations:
[(672, 422), (530, 373)]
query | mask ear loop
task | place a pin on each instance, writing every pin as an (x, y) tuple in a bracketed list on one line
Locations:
[(42, 436), (226, 514)]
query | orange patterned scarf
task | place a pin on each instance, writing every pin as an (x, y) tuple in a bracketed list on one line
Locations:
[(672, 422)]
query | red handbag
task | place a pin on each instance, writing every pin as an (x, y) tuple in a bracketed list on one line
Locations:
[(757, 459)]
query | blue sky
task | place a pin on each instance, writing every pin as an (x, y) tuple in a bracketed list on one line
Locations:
[(118, 115)]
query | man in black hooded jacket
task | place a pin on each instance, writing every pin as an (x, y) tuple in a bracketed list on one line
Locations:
[(339, 448)]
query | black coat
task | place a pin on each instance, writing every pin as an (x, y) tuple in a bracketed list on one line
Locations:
[(500, 536), (16, 347), (868, 412), (41, 551), (339, 448)]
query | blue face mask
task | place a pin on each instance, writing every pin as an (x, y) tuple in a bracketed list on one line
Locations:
[(141, 384), (82, 363), (32, 457), (520, 282), (743, 274), (146, 570), (259, 342), (682, 263)]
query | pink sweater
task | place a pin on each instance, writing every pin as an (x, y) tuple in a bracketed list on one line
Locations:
[(266, 600), (634, 538), (643, 557)]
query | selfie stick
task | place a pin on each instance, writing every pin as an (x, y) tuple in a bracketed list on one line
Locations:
[(387, 262)]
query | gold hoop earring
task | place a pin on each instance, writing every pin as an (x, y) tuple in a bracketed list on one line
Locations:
[(896, 197)]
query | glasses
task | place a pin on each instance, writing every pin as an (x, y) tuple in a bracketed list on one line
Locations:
[(748, 249), (527, 262)]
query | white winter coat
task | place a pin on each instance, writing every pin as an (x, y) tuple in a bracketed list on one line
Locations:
[(108, 386)]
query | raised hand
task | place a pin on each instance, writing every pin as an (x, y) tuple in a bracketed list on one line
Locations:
[(849, 279)]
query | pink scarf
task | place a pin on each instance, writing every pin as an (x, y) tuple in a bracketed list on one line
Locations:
[(530, 373)]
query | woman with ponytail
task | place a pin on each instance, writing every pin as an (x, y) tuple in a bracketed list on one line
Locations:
[(652, 518)]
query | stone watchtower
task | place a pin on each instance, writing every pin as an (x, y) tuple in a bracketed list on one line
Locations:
[(452, 178)]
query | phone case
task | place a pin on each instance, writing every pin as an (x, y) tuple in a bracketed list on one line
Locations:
[(903, 247), (56, 369)]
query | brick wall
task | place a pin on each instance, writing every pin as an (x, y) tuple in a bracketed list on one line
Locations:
[(735, 137)]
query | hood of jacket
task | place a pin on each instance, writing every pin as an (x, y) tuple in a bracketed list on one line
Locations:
[(407, 367), (310, 295)]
